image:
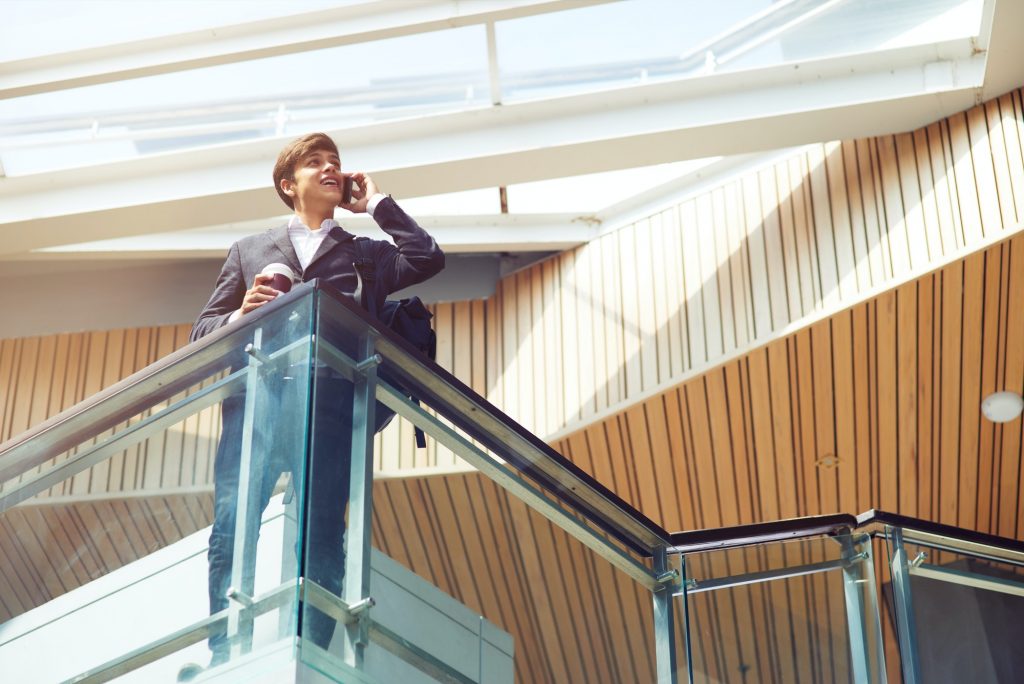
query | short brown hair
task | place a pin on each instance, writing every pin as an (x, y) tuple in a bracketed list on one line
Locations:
[(295, 151)]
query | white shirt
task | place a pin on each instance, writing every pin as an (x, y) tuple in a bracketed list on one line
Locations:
[(306, 241)]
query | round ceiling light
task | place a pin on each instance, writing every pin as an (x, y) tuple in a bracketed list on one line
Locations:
[(1002, 407)]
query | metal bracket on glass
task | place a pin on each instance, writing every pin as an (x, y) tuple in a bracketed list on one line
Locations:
[(669, 576), (334, 606), (254, 351), (369, 362), (361, 606), (240, 597)]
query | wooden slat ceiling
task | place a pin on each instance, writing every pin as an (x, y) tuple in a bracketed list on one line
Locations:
[(876, 407), (48, 550)]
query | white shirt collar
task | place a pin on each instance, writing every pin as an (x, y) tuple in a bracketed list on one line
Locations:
[(296, 223)]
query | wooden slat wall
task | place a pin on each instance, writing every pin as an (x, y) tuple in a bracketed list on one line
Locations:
[(42, 376), (736, 266), (48, 550), (875, 407)]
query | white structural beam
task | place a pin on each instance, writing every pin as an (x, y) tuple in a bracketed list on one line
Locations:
[(355, 22), (1005, 48), (751, 111), (490, 233)]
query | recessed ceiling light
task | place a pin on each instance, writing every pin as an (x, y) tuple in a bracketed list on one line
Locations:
[(1002, 407)]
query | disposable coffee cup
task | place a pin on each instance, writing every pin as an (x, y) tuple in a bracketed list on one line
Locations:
[(281, 275)]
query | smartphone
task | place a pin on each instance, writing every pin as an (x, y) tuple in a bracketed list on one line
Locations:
[(346, 190)]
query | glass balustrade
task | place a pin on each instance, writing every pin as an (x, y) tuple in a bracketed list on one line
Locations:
[(229, 514), (234, 513), (107, 513), (873, 598), (782, 611), (956, 600)]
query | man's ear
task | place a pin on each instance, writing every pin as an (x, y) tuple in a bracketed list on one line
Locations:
[(286, 187)]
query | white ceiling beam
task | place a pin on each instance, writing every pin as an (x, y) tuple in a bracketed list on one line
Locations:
[(490, 233), (357, 22), (725, 114), (1004, 46)]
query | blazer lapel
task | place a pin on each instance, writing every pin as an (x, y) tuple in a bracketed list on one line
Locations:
[(337, 234), (279, 236)]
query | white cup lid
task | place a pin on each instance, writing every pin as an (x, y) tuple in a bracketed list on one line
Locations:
[(282, 269)]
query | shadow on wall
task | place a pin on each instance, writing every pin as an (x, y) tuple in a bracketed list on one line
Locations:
[(652, 303)]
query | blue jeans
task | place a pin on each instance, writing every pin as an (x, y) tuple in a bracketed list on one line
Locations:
[(277, 449)]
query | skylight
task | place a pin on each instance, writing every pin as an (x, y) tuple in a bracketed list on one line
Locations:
[(549, 54)]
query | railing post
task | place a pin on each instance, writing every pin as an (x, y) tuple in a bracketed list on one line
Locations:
[(682, 592), (360, 503), (250, 480), (859, 588), (906, 628), (664, 624)]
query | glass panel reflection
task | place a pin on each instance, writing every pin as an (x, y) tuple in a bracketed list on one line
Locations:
[(111, 555), (967, 613), (783, 612)]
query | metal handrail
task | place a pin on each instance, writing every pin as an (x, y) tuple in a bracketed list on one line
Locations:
[(916, 530), (488, 425), (424, 379), (144, 389)]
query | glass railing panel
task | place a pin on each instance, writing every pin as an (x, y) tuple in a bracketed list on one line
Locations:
[(784, 611), (106, 543), (491, 549), (549, 608), (966, 611), (478, 570)]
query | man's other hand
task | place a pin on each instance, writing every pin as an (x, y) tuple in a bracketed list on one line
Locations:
[(362, 191), (259, 294)]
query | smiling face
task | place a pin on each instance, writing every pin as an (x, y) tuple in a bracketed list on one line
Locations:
[(293, 159), (316, 180)]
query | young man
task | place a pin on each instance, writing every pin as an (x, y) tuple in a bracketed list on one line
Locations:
[(308, 178)]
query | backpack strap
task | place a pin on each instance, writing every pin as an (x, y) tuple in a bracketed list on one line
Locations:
[(366, 295), (366, 277)]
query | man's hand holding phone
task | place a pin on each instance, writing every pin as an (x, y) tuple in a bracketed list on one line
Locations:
[(356, 190)]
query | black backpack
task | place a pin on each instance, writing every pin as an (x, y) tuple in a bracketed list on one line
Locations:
[(408, 318)]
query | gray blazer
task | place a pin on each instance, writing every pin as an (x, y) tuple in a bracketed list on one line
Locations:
[(413, 258)]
